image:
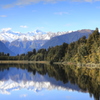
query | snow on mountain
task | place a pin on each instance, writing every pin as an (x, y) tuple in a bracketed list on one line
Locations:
[(20, 43), (8, 35), (69, 37)]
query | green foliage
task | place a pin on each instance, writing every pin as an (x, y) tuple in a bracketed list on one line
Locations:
[(37, 57), (84, 51)]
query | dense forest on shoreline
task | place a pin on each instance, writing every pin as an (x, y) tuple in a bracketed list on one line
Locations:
[(85, 50)]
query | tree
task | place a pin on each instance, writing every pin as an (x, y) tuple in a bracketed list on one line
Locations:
[(34, 51), (8, 54)]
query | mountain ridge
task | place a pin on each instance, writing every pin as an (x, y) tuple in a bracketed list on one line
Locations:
[(20, 43), (4, 49), (67, 38), (11, 36)]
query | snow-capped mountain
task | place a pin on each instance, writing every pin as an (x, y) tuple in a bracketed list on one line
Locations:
[(11, 36), (67, 38), (20, 43), (4, 49)]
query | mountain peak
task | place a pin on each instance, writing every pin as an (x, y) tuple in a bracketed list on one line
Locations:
[(8, 35), (85, 30)]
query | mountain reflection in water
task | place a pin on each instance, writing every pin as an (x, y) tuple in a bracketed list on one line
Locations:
[(38, 77)]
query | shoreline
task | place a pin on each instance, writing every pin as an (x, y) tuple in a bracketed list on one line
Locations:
[(48, 62), (22, 62)]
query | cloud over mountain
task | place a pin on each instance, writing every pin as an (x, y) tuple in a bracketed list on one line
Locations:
[(5, 29), (23, 26), (3, 16)]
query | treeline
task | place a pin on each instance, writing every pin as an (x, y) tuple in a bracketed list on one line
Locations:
[(4, 56), (85, 50), (7, 56)]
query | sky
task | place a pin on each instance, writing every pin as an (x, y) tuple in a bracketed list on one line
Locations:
[(49, 15)]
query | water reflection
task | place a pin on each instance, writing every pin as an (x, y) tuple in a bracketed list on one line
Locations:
[(38, 77)]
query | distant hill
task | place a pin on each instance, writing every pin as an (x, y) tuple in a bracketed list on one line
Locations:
[(67, 38), (19, 47), (4, 49)]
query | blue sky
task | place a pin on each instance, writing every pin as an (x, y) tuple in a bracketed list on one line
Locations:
[(49, 15)]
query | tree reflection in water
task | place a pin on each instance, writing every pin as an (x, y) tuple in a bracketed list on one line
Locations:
[(87, 79)]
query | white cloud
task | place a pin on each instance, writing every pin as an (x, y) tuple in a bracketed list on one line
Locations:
[(68, 97), (28, 2), (23, 26), (23, 95), (39, 28), (68, 24), (33, 10), (61, 13), (83, 0), (98, 7), (6, 29), (3, 16), (89, 0)]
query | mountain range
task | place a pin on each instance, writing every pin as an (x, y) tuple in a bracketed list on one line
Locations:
[(19, 43), (4, 49), (67, 38)]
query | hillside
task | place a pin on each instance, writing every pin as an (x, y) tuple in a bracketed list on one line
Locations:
[(84, 50), (4, 49), (67, 38)]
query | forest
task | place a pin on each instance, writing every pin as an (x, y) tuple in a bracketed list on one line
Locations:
[(84, 50)]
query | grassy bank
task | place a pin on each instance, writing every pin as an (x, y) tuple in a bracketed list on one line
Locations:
[(92, 65), (22, 62)]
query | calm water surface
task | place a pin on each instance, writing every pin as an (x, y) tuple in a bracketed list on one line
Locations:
[(42, 82)]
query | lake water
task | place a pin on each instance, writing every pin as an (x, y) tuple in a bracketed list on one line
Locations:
[(46, 82)]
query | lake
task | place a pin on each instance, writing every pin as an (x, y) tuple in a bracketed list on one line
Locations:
[(49, 82)]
